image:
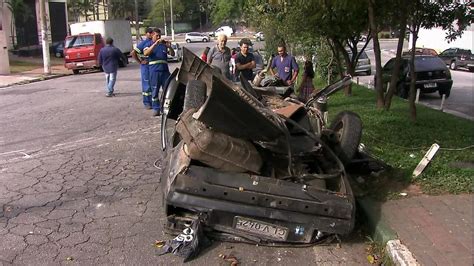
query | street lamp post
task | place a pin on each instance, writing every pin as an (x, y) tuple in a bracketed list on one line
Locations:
[(44, 38), (164, 19), (172, 25)]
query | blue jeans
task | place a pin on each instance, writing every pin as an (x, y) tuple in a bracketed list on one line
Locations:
[(110, 81)]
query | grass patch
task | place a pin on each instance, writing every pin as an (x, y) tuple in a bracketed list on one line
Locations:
[(393, 138), (22, 66)]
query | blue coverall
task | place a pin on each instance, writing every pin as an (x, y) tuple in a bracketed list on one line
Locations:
[(159, 72), (145, 72)]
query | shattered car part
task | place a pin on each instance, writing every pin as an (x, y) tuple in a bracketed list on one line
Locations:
[(268, 169)]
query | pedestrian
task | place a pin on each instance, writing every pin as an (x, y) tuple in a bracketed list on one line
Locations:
[(219, 56), (286, 66), (306, 88), (244, 62), (109, 57), (158, 66), (204, 54), (137, 54)]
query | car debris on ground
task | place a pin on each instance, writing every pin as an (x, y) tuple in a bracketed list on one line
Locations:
[(253, 164)]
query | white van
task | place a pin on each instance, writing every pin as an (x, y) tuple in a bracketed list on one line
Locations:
[(228, 31)]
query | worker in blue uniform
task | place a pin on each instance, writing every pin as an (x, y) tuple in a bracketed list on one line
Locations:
[(137, 54), (158, 66)]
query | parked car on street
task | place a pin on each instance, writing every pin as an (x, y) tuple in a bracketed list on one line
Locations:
[(363, 64), (421, 51), (196, 37), (432, 75), (259, 36), (178, 53), (457, 57), (227, 30), (57, 49)]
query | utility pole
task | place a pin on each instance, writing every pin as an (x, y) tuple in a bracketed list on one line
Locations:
[(44, 38), (172, 26), (164, 18), (4, 60), (137, 25)]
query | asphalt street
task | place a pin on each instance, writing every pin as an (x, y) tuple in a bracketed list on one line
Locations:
[(80, 182)]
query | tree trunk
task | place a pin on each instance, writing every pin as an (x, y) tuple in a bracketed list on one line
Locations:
[(396, 68), (349, 68), (411, 97), (378, 60)]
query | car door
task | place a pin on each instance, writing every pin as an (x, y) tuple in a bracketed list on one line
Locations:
[(447, 55)]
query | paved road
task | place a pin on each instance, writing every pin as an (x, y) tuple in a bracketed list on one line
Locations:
[(78, 183)]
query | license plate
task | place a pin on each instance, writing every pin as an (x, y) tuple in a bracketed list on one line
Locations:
[(431, 85), (261, 228), (79, 64)]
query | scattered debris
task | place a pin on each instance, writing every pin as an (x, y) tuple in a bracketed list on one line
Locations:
[(186, 245), (412, 155), (230, 258), (69, 258), (404, 194)]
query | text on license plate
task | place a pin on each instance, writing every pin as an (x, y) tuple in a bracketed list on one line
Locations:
[(260, 228), (431, 85), (79, 64)]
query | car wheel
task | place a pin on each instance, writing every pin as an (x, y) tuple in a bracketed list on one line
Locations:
[(195, 95), (402, 91), (446, 92), (369, 72), (188, 40), (58, 54), (471, 69), (258, 39), (75, 71), (453, 65), (348, 129), (205, 40)]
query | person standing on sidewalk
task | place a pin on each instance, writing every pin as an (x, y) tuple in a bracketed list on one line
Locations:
[(286, 66), (137, 54), (109, 58), (244, 62), (219, 56), (158, 65)]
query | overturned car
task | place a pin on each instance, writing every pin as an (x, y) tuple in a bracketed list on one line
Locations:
[(252, 165)]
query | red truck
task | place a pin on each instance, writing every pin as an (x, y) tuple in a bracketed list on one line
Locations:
[(81, 48)]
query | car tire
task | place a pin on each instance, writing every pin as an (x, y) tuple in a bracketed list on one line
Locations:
[(348, 128), (471, 69), (402, 91), (75, 71), (58, 55), (205, 40), (195, 95), (188, 40), (258, 39), (369, 72), (446, 92), (453, 65)]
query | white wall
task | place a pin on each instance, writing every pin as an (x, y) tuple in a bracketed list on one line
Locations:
[(436, 38)]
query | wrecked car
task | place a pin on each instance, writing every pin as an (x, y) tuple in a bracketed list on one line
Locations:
[(251, 164)]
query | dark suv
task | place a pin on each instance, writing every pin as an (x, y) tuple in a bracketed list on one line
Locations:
[(431, 75), (456, 57)]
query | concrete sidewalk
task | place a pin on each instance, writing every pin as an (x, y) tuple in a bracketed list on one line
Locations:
[(32, 76), (424, 230)]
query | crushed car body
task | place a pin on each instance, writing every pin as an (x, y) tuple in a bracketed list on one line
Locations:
[(252, 165)]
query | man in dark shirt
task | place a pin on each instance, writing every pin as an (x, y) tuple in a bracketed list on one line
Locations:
[(109, 57), (245, 62)]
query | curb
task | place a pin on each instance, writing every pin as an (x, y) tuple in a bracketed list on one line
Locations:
[(36, 79), (383, 234)]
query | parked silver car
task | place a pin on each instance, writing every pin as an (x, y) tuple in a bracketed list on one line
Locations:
[(363, 64), (196, 37)]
